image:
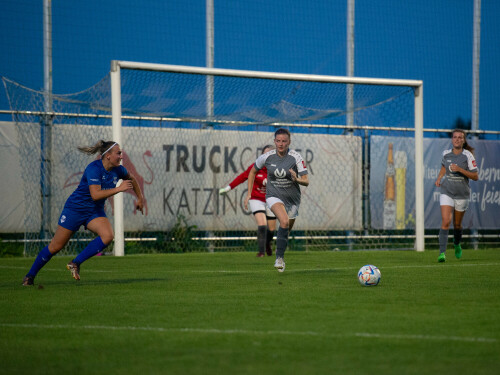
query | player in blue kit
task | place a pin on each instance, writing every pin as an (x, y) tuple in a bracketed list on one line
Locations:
[(286, 171), (85, 206), (457, 167)]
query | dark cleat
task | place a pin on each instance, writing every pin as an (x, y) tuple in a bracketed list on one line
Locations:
[(269, 250), (28, 281)]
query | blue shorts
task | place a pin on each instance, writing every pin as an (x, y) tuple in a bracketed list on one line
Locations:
[(73, 220)]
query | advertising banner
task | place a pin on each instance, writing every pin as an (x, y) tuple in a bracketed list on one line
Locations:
[(392, 183), (181, 171)]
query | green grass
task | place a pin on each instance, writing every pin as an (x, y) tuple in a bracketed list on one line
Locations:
[(232, 313)]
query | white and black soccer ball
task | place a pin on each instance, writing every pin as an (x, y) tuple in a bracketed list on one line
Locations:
[(369, 275)]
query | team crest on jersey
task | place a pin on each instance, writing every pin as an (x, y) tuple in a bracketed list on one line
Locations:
[(63, 218), (280, 173), (115, 180)]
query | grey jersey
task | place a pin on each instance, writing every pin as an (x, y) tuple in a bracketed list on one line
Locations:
[(454, 184), (279, 180)]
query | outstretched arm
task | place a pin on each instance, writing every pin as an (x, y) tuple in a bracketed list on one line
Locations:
[(238, 180)]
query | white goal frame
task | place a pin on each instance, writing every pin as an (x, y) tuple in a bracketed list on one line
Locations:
[(116, 66)]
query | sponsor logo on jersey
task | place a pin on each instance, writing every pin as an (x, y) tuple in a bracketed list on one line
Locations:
[(304, 164), (92, 179), (280, 173), (63, 218), (474, 164)]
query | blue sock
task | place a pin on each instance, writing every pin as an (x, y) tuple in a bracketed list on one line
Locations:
[(95, 246), (42, 258)]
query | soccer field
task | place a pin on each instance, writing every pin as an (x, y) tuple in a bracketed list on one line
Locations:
[(232, 313)]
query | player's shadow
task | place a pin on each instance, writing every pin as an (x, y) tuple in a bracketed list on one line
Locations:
[(120, 281), (50, 283), (315, 271)]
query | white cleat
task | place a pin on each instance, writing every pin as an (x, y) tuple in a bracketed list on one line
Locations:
[(279, 264)]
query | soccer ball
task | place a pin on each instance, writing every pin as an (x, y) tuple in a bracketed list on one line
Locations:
[(369, 275)]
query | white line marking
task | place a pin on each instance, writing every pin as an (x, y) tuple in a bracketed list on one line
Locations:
[(289, 270), (440, 266), (249, 332)]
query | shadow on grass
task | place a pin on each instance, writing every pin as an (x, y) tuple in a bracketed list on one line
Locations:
[(9, 285)]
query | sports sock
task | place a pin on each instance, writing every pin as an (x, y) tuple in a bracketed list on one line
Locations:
[(42, 258), (261, 238), (457, 236), (269, 236), (443, 240), (95, 246), (281, 242)]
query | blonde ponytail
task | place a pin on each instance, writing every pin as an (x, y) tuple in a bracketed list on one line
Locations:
[(101, 147)]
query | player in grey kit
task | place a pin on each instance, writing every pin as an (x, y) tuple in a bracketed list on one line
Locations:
[(286, 170), (457, 167)]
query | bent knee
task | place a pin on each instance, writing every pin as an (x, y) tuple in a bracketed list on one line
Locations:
[(285, 223), (107, 238)]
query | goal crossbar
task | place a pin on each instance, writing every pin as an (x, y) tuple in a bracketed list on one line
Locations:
[(263, 75)]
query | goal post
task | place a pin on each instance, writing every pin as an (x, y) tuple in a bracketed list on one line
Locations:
[(116, 121), (419, 168), (242, 119)]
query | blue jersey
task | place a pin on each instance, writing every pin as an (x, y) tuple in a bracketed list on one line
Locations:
[(94, 174)]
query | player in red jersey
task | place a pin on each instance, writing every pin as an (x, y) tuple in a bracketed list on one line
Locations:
[(266, 220)]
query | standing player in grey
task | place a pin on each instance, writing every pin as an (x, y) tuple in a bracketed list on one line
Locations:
[(457, 167), (286, 170)]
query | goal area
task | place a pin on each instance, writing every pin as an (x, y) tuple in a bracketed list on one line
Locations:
[(188, 131)]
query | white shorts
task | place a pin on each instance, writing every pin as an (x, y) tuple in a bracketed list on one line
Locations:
[(459, 204), (259, 206), (291, 210)]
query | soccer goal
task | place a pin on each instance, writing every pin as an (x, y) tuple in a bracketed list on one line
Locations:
[(188, 131), (225, 117)]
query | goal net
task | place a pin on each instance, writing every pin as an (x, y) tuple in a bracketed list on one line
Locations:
[(186, 132)]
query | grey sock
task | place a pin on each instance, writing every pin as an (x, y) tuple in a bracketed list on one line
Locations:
[(281, 242), (443, 240)]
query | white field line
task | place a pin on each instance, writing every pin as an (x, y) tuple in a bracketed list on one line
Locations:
[(289, 270), (382, 336)]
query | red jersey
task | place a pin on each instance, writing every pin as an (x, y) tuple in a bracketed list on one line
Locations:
[(259, 187)]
